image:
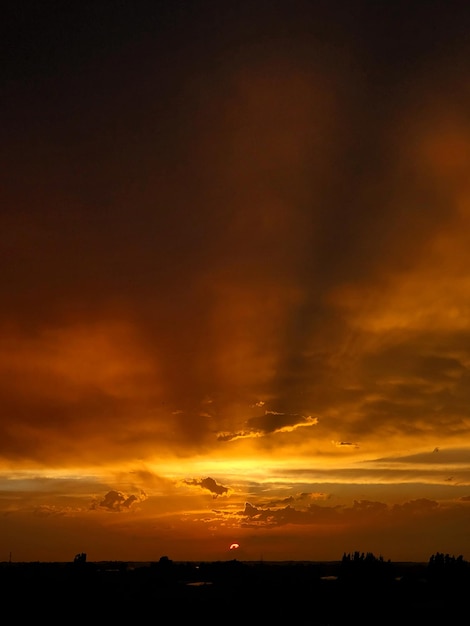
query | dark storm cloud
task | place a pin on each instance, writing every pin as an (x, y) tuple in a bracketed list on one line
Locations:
[(213, 176)]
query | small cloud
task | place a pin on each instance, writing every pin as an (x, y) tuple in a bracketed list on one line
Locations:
[(250, 510), (420, 505), (210, 484), (116, 501), (242, 434), (272, 422), (45, 510), (313, 495), (369, 506), (346, 444), (301, 499)]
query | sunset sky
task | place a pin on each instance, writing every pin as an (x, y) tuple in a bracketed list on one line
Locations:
[(235, 279)]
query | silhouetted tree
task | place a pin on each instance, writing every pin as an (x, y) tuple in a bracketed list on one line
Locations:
[(443, 568), (80, 558), (362, 566)]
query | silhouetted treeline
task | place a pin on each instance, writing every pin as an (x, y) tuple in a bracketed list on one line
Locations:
[(375, 590), (359, 566), (446, 566)]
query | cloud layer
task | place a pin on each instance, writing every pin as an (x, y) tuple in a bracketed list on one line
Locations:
[(234, 239)]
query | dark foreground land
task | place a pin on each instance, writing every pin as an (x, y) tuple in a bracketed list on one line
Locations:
[(313, 593)]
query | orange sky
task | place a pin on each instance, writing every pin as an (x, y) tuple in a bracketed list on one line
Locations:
[(235, 259)]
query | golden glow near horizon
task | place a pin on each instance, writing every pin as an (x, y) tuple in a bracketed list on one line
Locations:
[(235, 312)]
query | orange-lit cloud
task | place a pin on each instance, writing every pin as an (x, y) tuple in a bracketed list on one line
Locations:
[(270, 422), (235, 266)]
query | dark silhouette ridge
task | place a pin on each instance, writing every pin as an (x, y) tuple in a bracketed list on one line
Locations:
[(360, 587)]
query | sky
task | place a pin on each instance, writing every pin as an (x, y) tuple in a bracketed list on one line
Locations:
[(235, 287)]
